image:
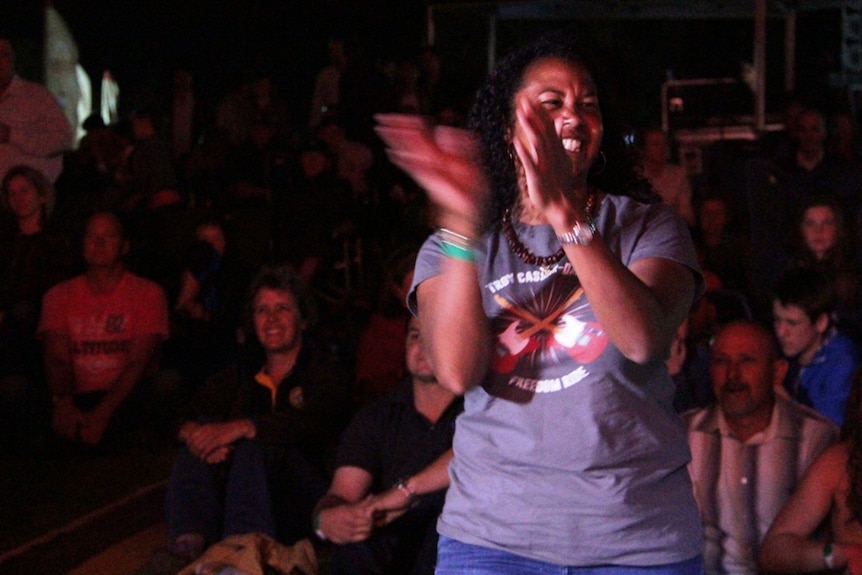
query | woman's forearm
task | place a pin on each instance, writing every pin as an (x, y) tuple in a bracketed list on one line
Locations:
[(454, 326)]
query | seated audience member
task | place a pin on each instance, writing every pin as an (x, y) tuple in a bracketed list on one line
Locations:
[(149, 166), (198, 294), (310, 216), (33, 129), (102, 332), (721, 251), (33, 258), (380, 351), (819, 529), (687, 366), (204, 328), (257, 443), (808, 168), (822, 358), (390, 477), (353, 159), (669, 180), (749, 449), (823, 241)]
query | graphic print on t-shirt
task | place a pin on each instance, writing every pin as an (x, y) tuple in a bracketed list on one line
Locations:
[(552, 329)]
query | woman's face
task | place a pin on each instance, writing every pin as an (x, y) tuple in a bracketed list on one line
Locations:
[(566, 92), (277, 321), (24, 199), (820, 230)]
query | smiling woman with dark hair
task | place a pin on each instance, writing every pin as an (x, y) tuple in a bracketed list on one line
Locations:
[(550, 303)]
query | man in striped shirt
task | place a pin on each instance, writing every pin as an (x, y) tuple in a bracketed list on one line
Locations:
[(750, 448)]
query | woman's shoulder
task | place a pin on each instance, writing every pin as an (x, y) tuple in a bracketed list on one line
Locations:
[(629, 212)]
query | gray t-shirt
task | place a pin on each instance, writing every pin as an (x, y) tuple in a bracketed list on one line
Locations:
[(568, 452)]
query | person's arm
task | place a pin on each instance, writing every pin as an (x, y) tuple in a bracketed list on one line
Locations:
[(786, 547), (58, 363), (344, 514), (444, 162), (66, 419), (212, 442), (395, 501), (142, 351), (639, 307), (187, 301), (455, 330)]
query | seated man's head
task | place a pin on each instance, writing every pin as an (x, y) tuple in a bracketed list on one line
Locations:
[(744, 366), (418, 364), (105, 242), (279, 309), (803, 301), (28, 194)]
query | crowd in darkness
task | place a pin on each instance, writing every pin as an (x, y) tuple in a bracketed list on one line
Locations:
[(206, 195)]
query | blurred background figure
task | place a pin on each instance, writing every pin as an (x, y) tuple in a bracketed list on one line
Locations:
[(33, 129)]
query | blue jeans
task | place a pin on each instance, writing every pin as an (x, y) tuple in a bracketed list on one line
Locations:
[(261, 488), (457, 558)]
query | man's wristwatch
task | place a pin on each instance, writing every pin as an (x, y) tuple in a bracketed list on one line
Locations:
[(582, 234), (315, 524)]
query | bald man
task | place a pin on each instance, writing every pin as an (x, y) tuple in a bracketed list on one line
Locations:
[(750, 448)]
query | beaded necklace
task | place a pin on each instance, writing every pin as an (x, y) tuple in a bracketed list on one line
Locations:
[(523, 252)]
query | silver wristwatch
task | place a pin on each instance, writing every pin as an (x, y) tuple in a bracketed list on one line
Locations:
[(581, 235)]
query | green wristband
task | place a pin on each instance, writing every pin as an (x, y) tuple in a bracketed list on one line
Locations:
[(457, 252)]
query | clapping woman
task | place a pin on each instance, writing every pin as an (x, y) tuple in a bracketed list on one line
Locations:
[(551, 304)]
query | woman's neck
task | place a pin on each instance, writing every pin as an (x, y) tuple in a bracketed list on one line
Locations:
[(526, 212), (280, 364)]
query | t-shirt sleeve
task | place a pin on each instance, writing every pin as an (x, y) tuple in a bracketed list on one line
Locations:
[(428, 265), (361, 442), (663, 234)]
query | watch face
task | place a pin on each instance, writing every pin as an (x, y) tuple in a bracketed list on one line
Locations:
[(583, 234)]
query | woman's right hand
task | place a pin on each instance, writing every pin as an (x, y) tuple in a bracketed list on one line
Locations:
[(445, 162)]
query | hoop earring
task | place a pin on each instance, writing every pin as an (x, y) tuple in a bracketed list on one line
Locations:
[(596, 171)]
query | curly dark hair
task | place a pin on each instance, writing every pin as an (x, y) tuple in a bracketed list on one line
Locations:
[(851, 433), (492, 116)]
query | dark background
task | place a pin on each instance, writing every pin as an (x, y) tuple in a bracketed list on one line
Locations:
[(141, 41)]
